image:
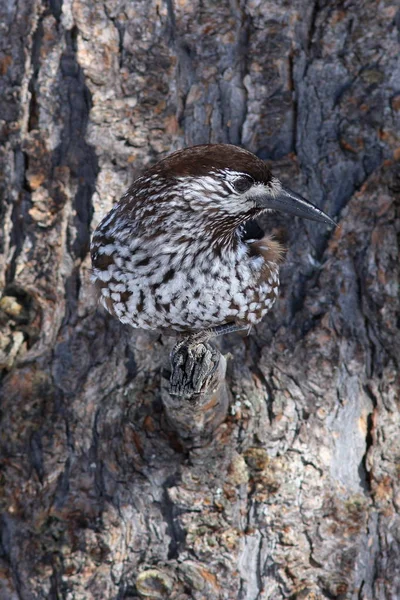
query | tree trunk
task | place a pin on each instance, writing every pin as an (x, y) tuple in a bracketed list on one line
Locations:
[(296, 494)]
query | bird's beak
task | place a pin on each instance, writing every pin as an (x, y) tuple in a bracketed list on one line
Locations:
[(284, 200)]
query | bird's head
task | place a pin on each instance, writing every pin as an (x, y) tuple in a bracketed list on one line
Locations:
[(227, 184)]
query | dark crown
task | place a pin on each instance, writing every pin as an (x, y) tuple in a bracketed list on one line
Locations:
[(201, 160)]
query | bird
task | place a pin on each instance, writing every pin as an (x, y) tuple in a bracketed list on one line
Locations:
[(183, 252)]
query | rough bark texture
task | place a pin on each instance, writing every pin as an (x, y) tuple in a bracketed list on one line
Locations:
[(297, 494)]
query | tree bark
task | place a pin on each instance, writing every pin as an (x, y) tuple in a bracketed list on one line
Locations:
[(295, 494)]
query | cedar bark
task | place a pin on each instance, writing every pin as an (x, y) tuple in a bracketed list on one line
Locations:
[(296, 494)]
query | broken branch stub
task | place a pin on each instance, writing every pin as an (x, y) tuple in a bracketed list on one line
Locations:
[(194, 391)]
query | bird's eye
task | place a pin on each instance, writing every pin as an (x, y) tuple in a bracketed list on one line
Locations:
[(242, 184)]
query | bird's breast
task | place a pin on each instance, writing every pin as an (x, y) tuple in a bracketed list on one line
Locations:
[(258, 275), (187, 287)]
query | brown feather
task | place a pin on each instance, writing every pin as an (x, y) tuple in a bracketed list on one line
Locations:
[(271, 250)]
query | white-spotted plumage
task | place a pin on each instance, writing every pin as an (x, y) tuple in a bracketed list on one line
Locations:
[(181, 250)]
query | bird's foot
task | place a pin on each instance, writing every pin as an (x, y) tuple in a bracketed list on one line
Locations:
[(205, 335), (228, 328)]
